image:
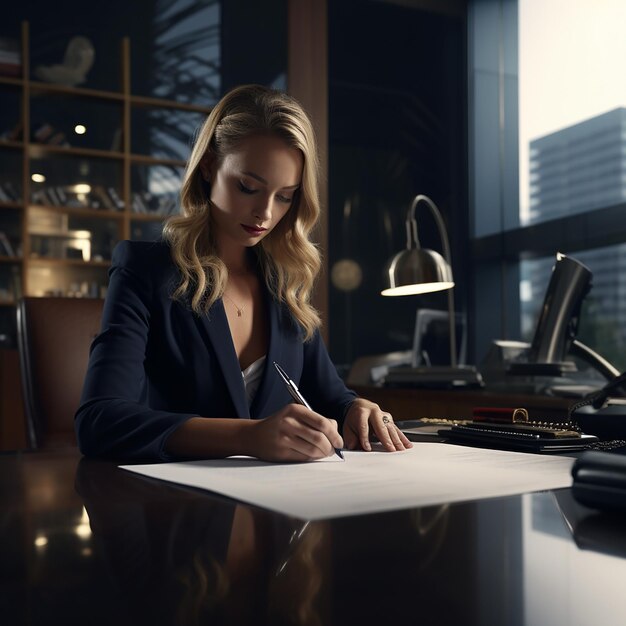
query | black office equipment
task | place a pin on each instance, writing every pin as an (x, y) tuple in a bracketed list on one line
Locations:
[(603, 412), (557, 324), (600, 480), (554, 347), (430, 362), (434, 377), (431, 338)]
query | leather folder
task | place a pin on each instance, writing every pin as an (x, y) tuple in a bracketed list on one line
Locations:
[(521, 437)]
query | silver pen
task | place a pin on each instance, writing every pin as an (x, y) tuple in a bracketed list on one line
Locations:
[(297, 396)]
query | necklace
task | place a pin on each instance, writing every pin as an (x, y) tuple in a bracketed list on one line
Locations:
[(239, 308)]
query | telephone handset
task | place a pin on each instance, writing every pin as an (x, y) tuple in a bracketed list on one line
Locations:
[(603, 413)]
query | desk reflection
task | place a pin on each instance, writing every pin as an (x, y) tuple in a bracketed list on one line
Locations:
[(599, 531), (83, 542), (184, 556), (179, 556), (574, 565)]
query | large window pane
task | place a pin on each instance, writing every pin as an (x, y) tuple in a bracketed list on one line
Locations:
[(179, 56), (572, 147), (569, 115), (572, 120)]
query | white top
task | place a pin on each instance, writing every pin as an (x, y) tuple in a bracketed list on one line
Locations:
[(252, 378)]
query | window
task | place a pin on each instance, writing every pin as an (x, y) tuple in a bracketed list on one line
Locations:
[(572, 146), (552, 73)]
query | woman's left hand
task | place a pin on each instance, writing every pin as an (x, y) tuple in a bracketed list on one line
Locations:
[(365, 418)]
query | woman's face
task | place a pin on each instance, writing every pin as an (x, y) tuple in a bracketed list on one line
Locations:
[(252, 188)]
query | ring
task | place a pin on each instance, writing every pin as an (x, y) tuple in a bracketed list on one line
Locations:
[(386, 419)]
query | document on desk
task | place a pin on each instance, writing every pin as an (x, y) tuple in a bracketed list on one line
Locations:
[(370, 482)]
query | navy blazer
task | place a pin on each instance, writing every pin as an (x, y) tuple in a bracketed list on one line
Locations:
[(155, 363)]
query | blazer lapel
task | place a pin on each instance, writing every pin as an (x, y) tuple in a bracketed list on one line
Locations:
[(218, 331), (270, 380)]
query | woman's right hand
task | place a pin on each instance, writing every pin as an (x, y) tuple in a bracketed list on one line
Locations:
[(294, 433)]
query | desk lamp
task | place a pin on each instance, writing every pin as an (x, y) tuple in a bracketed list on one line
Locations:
[(418, 270)]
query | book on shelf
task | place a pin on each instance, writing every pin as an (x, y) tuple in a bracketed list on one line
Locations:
[(6, 248), (137, 204), (52, 197), (10, 57), (47, 134), (169, 205), (152, 201), (118, 203), (38, 196), (42, 132), (13, 133), (77, 201), (59, 139), (147, 202), (116, 142), (62, 195), (9, 189), (100, 196), (59, 196)]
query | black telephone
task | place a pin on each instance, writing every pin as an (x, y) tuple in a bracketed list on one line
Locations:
[(600, 477), (603, 413)]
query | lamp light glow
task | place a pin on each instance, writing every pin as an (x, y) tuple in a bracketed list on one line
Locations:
[(415, 290)]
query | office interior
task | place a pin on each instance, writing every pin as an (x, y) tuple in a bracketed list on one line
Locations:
[(408, 97)]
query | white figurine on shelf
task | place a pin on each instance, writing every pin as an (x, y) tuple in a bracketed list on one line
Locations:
[(78, 60)]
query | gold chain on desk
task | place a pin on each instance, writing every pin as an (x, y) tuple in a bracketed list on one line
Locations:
[(440, 420), (569, 425), (609, 444)]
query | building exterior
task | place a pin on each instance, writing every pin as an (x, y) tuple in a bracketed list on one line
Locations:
[(579, 168)]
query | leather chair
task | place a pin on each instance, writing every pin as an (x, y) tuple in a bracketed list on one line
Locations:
[(54, 336)]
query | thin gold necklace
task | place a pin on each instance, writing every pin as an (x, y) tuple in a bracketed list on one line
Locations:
[(239, 308)]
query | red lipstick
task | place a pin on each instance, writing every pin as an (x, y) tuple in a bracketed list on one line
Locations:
[(255, 231)]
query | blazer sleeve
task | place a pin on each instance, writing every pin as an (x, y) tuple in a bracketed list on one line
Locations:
[(113, 420), (321, 384)]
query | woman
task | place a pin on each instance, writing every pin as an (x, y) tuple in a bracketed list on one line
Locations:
[(192, 324)]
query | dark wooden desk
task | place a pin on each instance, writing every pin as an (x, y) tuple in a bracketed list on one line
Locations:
[(82, 542), (405, 404)]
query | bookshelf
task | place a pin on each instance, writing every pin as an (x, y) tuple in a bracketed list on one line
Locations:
[(65, 200)]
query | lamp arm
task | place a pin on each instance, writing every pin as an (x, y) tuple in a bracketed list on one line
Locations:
[(413, 242)]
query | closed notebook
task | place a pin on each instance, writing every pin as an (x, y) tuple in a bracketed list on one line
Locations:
[(523, 437)]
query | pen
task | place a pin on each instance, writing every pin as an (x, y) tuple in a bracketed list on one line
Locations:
[(297, 396)]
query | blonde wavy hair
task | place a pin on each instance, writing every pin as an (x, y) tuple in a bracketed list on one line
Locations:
[(290, 262)]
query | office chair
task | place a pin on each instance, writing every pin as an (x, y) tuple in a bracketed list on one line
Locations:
[(54, 335)]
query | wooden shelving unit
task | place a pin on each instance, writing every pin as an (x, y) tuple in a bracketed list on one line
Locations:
[(29, 265)]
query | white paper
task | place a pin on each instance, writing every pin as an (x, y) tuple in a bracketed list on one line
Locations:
[(369, 482)]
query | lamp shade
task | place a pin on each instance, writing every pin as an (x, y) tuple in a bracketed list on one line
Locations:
[(416, 271)]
